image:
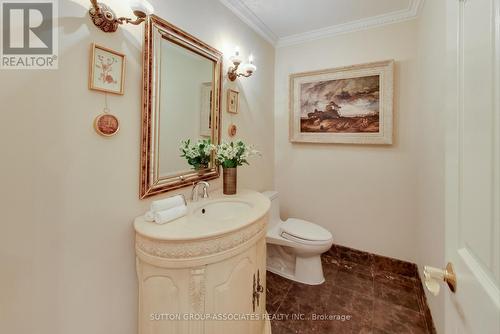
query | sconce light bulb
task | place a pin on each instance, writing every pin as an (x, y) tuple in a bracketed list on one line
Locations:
[(235, 59), (250, 59)]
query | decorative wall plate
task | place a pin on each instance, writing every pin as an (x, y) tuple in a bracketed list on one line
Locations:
[(106, 125), (231, 131)]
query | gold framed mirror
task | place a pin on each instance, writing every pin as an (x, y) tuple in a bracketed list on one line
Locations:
[(181, 100)]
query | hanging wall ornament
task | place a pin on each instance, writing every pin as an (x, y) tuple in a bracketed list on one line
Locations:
[(232, 130), (106, 124)]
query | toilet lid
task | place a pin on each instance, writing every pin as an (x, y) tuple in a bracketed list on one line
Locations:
[(305, 230)]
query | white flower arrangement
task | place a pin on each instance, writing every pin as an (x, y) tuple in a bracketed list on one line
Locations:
[(198, 154), (233, 154)]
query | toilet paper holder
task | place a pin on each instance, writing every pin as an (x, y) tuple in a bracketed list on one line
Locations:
[(433, 276)]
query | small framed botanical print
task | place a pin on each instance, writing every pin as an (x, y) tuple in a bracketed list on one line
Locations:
[(233, 101), (107, 70)]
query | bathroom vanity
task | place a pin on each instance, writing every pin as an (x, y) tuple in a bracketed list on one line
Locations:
[(205, 267)]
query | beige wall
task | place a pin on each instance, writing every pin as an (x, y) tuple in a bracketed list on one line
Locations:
[(431, 127), (365, 195), (69, 196)]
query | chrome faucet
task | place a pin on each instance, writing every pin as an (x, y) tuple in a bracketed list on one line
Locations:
[(195, 192)]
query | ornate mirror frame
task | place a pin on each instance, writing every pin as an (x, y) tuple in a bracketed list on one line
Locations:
[(151, 183)]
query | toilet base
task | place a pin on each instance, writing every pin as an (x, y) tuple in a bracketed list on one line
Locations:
[(282, 261)]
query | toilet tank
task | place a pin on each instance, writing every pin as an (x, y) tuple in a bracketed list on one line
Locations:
[(274, 214)]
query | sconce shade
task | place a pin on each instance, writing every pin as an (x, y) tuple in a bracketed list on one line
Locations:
[(249, 68), (141, 8), (235, 59)]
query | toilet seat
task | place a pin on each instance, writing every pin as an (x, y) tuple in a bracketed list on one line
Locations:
[(304, 232)]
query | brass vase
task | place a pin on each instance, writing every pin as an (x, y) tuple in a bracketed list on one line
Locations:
[(229, 180)]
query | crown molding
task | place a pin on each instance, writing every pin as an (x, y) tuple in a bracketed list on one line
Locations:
[(370, 22), (247, 16)]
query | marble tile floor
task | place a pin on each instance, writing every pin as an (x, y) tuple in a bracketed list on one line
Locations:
[(363, 294)]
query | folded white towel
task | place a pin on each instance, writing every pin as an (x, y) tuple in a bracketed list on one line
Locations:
[(149, 216), (168, 215), (167, 203)]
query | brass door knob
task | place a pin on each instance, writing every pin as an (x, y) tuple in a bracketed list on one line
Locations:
[(434, 275)]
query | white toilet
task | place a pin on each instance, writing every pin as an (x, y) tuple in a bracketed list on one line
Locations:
[(294, 246)]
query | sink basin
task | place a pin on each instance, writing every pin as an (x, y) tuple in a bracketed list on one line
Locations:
[(223, 210), (209, 218)]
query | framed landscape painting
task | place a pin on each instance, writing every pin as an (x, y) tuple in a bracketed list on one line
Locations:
[(346, 105)]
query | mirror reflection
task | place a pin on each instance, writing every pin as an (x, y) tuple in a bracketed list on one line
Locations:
[(185, 104)]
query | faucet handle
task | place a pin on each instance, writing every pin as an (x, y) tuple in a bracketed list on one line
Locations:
[(206, 185), (205, 191), (194, 192)]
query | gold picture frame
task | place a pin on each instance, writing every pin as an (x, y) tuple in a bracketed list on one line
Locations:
[(233, 101), (106, 70)]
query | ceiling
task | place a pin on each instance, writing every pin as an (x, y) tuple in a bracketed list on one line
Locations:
[(286, 22)]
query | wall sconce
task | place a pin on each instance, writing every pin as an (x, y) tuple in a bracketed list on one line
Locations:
[(105, 18), (247, 69)]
